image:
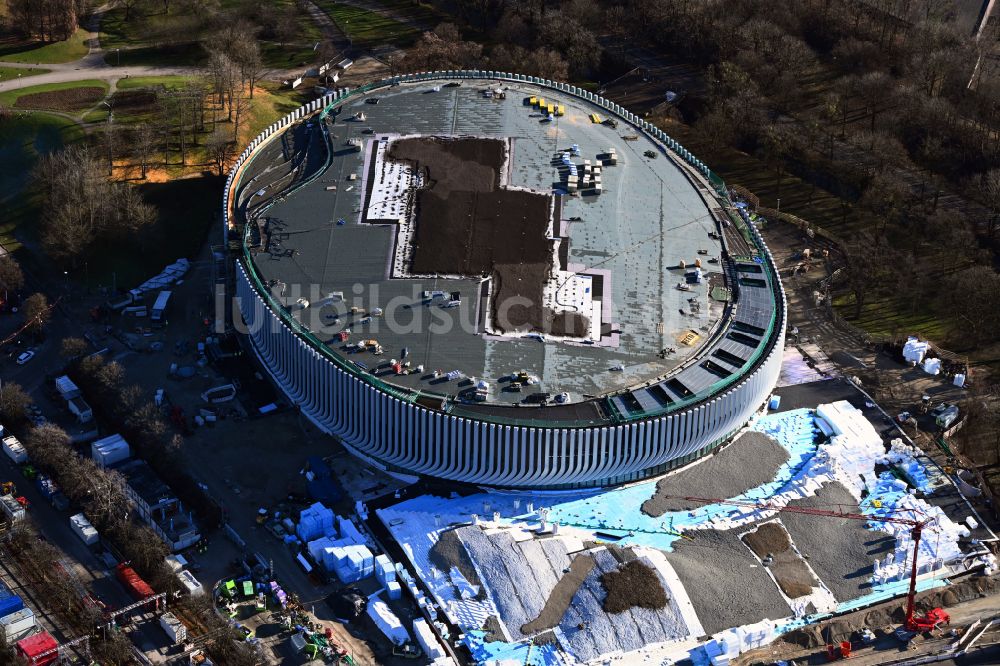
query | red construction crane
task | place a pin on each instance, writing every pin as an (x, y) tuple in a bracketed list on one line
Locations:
[(932, 620)]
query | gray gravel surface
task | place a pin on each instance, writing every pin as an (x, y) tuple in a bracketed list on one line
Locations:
[(724, 581), (626, 631), (752, 460), (841, 551), (520, 575)]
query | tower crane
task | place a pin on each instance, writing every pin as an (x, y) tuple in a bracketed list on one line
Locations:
[(913, 623)]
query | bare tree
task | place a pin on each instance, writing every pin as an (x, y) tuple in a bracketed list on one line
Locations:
[(14, 403), (240, 111), (73, 347), (144, 141), (220, 148), (37, 312), (129, 6), (11, 277)]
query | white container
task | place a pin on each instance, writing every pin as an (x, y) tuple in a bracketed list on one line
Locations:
[(17, 625), (83, 529), (175, 562), (387, 622), (15, 450), (427, 639), (190, 583), (110, 450), (12, 509), (174, 628), (67, 389)]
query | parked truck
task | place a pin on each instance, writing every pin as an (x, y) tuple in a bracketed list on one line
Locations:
[(159, 311)]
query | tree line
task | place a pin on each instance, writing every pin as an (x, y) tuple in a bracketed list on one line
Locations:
[(45, 20)]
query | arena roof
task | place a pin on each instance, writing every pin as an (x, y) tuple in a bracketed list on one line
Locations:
[(628, 242)]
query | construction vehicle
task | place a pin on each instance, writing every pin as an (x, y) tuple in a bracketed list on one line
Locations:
[(913, 624)]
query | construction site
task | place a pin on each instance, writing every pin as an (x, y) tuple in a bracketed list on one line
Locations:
[(809, 514)]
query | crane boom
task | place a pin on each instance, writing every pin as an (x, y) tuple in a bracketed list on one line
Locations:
[(934, 618)]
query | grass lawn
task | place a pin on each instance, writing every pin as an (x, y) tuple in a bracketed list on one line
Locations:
[(367, 28), (10, 97), (72, 49), (8, 73), (167, 82), (415, 11), (180, 55), (887, 316), (288, 56), (22, 139), (187, 209), (270, 103)]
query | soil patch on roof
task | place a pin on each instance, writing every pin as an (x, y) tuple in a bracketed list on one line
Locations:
[(467, 224)]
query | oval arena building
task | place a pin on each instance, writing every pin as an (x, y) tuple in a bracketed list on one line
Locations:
[(493, 279)]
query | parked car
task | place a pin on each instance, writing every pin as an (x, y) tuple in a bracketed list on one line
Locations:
[(25, 356)]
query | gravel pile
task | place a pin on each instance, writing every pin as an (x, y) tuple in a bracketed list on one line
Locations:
[(448, 552), (601, 632), (841, 551), (520, 575), (752, 460), (724, 581)]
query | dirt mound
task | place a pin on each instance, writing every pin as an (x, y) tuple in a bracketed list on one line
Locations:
[(561, 596), (769, 538), (788, 569), (751, 460), (634, 584)]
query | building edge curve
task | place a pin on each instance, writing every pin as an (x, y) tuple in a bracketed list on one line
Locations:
[(377, 424)]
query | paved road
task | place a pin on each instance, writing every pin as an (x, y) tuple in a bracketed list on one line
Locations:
[(90, 66)]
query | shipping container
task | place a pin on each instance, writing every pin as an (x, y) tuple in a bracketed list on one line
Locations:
[(12, 509), (174, 628), (83, 529), (136, 586), (15, 450), (159, 311), (110, 450), (67, 389), (17, 625), (33, 647)]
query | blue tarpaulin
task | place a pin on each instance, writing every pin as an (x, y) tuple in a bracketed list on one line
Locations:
[(322, 488)]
